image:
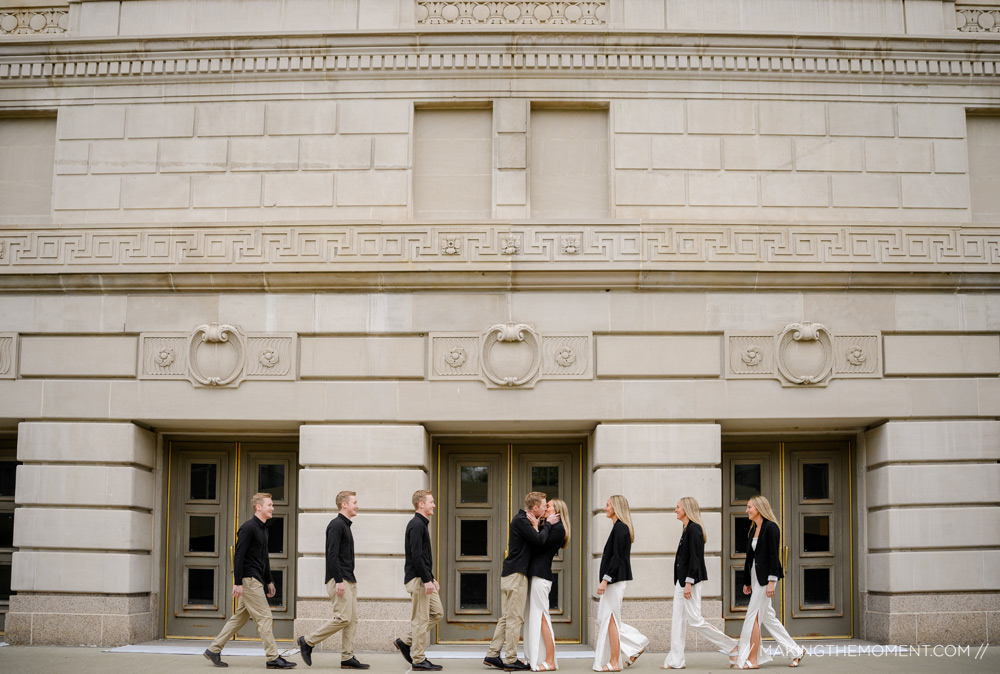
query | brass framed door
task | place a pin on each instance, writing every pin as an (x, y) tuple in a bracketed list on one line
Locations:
[(480, 488), (808, 486), (210, 488), (8, 479)]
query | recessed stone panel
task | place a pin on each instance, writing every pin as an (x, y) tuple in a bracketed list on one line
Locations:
[(659, 356), (99, 357), (942, 355)]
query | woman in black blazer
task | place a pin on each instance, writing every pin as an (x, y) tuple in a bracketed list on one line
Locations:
[(539, 640), (763, 569), (689, 572), (614, 638)]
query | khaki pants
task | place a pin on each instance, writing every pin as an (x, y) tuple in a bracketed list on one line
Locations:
[(345, 617), (513, 595), (251, 604), (427, 611)]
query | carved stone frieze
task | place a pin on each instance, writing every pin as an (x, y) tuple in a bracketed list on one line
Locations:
[(803, 355), (34, 21), (510, 355), (536, 12), (973, 18), (218, 356), (8, 353)]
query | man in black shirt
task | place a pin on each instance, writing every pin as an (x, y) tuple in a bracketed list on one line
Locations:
[(251, 571), (341, 585), (526, 535), (418, 575)]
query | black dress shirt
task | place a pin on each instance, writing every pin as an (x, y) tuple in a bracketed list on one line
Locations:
[(250, 558), (616, 562), (540, 565), (766, 554), (522, 542), (340, 550), (689, 562), (417, 545)]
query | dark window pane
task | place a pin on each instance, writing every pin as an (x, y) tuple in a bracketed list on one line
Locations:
[(271, 480), (815, 481), (554, 593), (8, 471), (6, 530), (4, 582), (472, 591), (276, 535), (201, 533), (741, 534), (746, 478), (816, 586), (546, 480), (203, 479), (201, 587), (475, 484), (475, 538), (740, 599), (816, 533), (279, 595)]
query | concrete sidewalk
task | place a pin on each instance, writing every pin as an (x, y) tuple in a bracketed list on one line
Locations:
[(79, 660)]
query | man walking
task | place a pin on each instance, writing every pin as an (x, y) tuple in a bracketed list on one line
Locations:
[(525, 536), (419, 578), (251, 570), (341, 585)]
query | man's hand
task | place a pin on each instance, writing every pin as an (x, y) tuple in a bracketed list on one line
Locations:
[(237, 591), (602, 587), (429, 588), (553, 518), (271, 590), (437, 586), (340, 589)]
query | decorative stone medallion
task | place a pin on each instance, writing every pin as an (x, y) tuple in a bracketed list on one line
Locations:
[(511, 354)]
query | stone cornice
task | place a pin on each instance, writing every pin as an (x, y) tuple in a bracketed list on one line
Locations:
[(498, 54), (407, 256)]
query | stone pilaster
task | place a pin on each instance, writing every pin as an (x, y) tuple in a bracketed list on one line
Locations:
[(653, 466), (384, 464), (83, 530), (933, 565)]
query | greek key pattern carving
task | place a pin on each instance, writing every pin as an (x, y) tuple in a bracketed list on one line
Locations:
[(977, 19), (803, 355), (316, 247), (495, 61), (575, 13), (34, 21), (510, 355), (8, 344)]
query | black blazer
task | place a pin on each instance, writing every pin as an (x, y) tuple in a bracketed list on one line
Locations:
[(523, 541), (689, 562), (616, 561), (540, 565), (766, 554)]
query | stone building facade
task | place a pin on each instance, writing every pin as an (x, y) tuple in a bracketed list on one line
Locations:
[(660, 248)]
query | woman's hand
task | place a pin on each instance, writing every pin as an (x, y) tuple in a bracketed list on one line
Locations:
[(746, 589), (770, 589), (687, 590), (602, 587)]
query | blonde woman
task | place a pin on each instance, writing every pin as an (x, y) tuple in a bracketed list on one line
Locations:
[(689, 572), (615, 639), (763, 569), (539, 642)]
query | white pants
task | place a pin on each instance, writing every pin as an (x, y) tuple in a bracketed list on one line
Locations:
[(687, 613), (631, 642), (538, 614), (760, 610)]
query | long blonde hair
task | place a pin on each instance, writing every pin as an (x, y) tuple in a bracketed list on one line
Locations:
[(763, 506), (693, 513), (620, 505), (560, 507)]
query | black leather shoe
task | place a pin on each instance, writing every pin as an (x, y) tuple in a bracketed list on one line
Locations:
[(493, 662), (403, 649), (215, 658), (306, 650), (353, 664), (426, 666), (516, 666), (279, 663)]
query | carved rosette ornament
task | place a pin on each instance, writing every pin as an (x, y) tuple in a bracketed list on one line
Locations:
[(570, 244), (805, 353), (456, 357), (165, 357), (217, 355), (510, 244), (511, 354)]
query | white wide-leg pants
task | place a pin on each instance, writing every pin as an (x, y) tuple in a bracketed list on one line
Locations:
[(538, 613), (760, 609), (631, 642), (687, 614)]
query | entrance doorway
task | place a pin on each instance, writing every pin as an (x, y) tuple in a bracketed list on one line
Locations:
[(480, 487), (208, 498), (808, 486)]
